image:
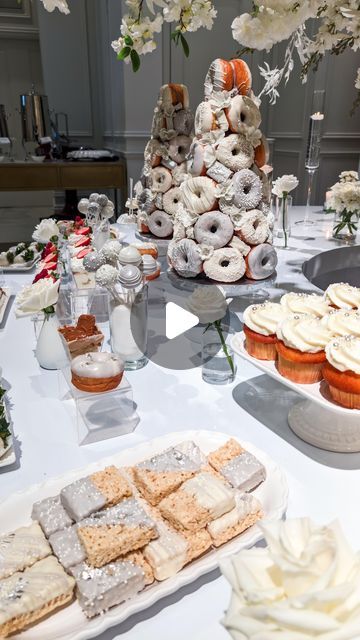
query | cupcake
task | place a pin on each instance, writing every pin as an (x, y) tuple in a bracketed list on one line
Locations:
[(343, 322), (341, 295), (301, 348), (342, 370), (260, 324), (310, 303), (97, 372)]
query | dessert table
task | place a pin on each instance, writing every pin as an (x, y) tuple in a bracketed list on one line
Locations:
[(322, 485)]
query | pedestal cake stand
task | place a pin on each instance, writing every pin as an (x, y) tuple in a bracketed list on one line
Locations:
[(317, 419)]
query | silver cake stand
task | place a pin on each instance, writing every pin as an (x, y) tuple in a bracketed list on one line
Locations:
[(253, 289)]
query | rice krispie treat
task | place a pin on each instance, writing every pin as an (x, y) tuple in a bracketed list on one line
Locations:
[(158, 476), (197, 502), (137, 557), (239, 467), (31, 595), (116, 531), (101, 489), (21, 549), (67, 547), (198, 543), (51, 515), (246, 512), (99, 589)]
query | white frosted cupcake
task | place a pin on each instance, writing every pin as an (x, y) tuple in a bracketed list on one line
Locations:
[(310, 303), (342, 322), (260, 324), (342, 370), (341, 295), (301, 348)]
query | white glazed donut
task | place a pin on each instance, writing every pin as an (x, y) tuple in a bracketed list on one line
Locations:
[(183, 122), (224, 75), (254, 228), (179, 148), (172, 199), (242, 113), (179, 174), (173, 94), (160, 224), (235, 152), (261, 262), (225, 265), (247, 189), (160, 179), (205, 119), (214, 228), (199, 194), (185, 259), (196, 165)]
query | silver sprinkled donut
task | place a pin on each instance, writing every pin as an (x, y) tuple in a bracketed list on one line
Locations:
[(172, 200), (247, 189), (214, 228), (225, 265), (199, 194), (160, 224), (185, 259), (261, 262), (235, 152), (160, 179), (253, 228), (179, 148), (183, 122)]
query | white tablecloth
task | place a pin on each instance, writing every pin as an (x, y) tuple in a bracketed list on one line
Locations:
[(322, 485)]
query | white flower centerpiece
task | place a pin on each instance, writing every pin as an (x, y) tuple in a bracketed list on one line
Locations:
[(344, 199), (47, 230), (281, 188)]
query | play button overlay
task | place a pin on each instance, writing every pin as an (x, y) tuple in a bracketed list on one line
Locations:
[(175, 335), (178, 320)]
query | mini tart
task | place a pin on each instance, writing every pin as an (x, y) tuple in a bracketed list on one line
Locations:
[(260, 324), (342, 370), (259, 346)]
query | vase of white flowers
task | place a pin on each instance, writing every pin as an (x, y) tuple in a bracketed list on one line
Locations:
[(281, 188), (344, 200)]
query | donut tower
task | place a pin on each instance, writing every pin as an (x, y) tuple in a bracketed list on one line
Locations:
[(222, 226), (159, 196)]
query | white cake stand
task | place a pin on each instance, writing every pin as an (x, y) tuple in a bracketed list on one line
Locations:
[(317, 420)]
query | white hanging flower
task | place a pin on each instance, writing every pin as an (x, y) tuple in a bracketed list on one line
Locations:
[(51, 5), (284, 184)]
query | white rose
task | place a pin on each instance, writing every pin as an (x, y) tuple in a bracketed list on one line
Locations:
[(285, 184), (305, 584), (349, 176), (45, 230), (38, 296), (62, 5), (207, 303)]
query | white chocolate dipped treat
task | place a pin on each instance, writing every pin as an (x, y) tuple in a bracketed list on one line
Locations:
[(343, 353), (343, 296), (264, 318), (21, 549), (304, 332), (51, 515), (167, 554), (244, 472), (247, 510), (97, 365), (210, 493), (342, 322), (67, 547), (310, 303)]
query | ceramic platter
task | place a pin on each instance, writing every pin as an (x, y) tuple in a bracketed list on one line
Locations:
[(70, 623), (14, 268), (4, 302)]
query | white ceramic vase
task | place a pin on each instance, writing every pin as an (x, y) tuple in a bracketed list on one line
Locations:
[(50, 351)]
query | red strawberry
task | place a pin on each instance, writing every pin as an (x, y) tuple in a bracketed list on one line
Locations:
[(83, 231), (83, 253), (51, 257), (83, 242), (41, 275), (51, 266)]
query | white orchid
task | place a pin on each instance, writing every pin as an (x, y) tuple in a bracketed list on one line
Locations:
[(284, 185)]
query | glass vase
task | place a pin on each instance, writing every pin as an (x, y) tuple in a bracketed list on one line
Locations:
[(218, 363), (282, 224), (128, 312), (346, 225)]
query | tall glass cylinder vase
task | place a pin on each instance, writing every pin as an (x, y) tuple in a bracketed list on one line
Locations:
[(282, 225), (128, 311), (218, 363)]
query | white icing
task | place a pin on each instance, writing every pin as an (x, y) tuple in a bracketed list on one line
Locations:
[(343, 295), (199, 194), (97, 365), (210, 493), (342, 322), (264, 318), (304, 332), (22, 548), (167, 554), (245, 504), (310, 303), (343, 353)]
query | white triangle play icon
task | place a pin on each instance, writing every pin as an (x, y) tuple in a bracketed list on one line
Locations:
[(178, 320)]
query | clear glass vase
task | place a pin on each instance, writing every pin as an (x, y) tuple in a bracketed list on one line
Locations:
[(282, 223), (128, 312), (218, 363), (346, 225)]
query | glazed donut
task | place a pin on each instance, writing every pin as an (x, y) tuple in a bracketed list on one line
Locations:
[(179, 173), (146, 201), (247, 189), (235, 152), (199, 194), (261, 262), (205, 119), (179, 148), (254, 228), (172, 199), (242, 113), (160, 224), (183, 122), (214, 228), (224, 75), (196, 166), (184, 258), (160, 179), (173, 94), (225, 265), (262, 153)]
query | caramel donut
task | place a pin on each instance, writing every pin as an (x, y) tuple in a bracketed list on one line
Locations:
[(172, 199), (183, 122), (247, 189), (160, 224), (214, 228), (242, 79), (179, 148), (196, 166), (173, 94), (235, 152), (184, 258), (219, 77), (160, 179), (205, 119), (254, 228), (262, 153), (242, 113), (225, 265), (199, 194), (261, 262)]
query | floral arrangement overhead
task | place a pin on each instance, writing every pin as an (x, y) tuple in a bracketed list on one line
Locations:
[(336, 29)]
